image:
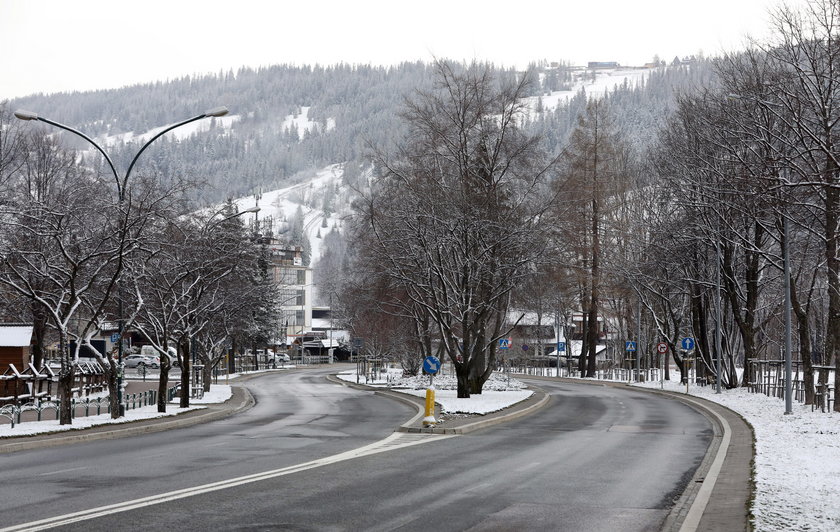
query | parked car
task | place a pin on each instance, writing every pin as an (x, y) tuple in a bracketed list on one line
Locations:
[(282, 358), (150, 351), (133, 361)]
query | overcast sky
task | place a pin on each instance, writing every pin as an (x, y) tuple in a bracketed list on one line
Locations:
[(68, 45)]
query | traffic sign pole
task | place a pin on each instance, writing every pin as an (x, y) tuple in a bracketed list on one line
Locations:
[(662, 349)]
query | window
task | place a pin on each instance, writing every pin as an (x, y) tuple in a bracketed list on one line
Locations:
[(301, 298), (301, 277)]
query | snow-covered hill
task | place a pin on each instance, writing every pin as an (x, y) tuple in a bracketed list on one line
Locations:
[(282, 205), (307, 198)]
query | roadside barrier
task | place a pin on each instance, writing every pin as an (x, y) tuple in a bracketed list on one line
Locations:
[(83, 407)]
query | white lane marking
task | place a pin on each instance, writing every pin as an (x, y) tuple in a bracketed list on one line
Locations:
[(61, 471), (388, 444), (692, 518)]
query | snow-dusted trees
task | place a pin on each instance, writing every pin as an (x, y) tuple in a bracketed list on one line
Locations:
[(757, 149), (596, 171), (454, 221), (199, 281), (62, 248)]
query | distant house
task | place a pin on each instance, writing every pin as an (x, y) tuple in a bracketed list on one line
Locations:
[(15, 345)]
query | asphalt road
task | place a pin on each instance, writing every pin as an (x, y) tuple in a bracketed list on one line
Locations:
[(596, 458)]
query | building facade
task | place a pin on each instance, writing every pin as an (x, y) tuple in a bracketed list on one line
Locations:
[(295, 282)]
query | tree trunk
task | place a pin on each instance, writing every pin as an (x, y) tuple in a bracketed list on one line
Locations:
[(232, 356), (477, 365), (594, 294), (112, 371), (462, 374), (39, 331), (698, 322), (207, 372), (832, 344), (163, 384), (804, 344), (583, 345), (186, 368), (66, 376)]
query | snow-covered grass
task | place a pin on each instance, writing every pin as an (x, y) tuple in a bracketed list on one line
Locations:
[(484, 403), (797, 458), (498, 393), (219, 393)]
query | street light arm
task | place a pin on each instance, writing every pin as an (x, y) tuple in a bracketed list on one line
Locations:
[(212, 223), (218, 111), (28, 115)]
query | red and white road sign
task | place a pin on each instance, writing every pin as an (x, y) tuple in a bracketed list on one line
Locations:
[(662, 348)]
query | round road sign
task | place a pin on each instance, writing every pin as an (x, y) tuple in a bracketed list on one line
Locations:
[(662, 348)]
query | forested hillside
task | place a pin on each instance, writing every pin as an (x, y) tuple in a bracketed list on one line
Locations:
[(287, 119)]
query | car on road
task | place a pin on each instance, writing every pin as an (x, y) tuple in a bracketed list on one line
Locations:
[(133, 361)]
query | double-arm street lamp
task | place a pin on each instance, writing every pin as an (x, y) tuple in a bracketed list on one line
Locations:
[(122, 184)]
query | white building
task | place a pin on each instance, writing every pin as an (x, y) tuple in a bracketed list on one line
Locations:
[(295, 281)]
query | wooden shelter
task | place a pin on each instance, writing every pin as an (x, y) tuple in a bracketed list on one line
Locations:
[(15, 345)]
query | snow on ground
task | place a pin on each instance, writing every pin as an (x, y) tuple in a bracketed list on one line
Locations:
[(179, 133), (499, 392), (605, 81), (219, 393), (301, 123), (282, 204)]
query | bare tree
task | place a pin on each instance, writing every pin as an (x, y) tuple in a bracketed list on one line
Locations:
[(453, 221), (63, 249), (596, 172)]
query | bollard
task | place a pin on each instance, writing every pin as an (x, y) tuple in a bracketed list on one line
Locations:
[(429, 420)]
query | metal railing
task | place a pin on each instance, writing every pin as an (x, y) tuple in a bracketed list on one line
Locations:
[(81, 407)]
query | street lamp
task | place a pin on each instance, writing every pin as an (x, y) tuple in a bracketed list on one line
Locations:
[(122, 183)]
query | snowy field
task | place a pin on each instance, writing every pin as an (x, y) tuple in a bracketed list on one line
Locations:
[(219, 393)]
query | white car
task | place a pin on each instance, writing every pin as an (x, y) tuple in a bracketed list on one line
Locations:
[(133, 361)]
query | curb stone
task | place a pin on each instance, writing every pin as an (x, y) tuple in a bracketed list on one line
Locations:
[(538, 400)]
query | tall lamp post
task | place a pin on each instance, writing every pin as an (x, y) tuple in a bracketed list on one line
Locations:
[(122, 184)]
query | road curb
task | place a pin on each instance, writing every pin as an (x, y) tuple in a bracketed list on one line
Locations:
[(515, 411), (133, 428)]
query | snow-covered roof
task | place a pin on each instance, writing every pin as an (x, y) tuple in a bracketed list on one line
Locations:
[(15, 335)]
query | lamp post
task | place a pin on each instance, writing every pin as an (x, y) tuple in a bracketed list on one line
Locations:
[(122, 183)]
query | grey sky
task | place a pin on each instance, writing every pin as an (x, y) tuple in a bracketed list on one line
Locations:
[(66, 45)]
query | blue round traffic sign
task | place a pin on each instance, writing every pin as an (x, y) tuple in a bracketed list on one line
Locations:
[(687, 343), (431, 364)]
